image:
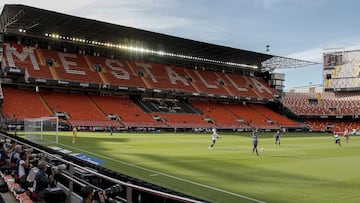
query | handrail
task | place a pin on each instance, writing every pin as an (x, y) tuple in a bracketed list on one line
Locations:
[(128, 185)]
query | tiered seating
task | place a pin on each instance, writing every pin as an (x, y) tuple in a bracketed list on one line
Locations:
[(250, 116), (72, 67), (328, 103), (207, 82), (269, 92), (79, 67), (80, 109), (130, 114), (331, 125), (10, 181), (316, 125), (299, 103), (117, 72), (21, 104), (22, 56), (83, 111), (219, 115), (159, 76), (241, 86), (180, 120), (275, 117)]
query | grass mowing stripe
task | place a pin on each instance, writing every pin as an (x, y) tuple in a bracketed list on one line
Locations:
[(307, 167), (168, 175)]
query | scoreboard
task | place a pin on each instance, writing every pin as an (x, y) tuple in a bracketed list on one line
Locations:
[(341, 70), (331, 60)]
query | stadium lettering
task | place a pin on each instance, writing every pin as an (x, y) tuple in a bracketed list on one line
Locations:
[(205, 82), (117, 69), (26, 52), (67, 63), (147, 70), (173, 76), (259, 86), (240, 89)]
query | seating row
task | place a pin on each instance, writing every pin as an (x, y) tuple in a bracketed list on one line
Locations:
[(94, 110), (51, 64), (325, 103)]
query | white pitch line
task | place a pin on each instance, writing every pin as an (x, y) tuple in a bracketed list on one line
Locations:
[(170, 176)]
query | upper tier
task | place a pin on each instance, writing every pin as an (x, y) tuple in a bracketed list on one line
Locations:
[(51, 64)]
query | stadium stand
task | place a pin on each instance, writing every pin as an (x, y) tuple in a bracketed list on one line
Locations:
[(78, 172), (18, 55), (51, 64), (181, 120), (320, 109), (326, 103), (220, 116), (274, 117), (21, 104), (251, 117), (80, 110), (93, 83), (126, 110)]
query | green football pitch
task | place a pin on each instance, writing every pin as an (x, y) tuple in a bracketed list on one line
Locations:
[(307, 167)]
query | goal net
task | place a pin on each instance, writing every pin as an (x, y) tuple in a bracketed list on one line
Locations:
[(43, 128)]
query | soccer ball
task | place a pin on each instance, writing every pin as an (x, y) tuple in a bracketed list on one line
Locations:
[(262, 149)]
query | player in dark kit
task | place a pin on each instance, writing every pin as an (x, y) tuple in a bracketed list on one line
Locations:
[(255, 141), (346, 135), (277, 137)]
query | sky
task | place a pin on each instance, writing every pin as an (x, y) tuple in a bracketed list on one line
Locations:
[(299, 29)]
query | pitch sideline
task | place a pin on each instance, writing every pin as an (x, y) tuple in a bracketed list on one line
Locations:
[(170, 176)]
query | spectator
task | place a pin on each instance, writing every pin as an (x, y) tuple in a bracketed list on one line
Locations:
[(22, 169), (3, 154), (15, 156), (42, 181), (87, 193)]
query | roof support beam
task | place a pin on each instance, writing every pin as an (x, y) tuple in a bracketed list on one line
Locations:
[(14, 18)]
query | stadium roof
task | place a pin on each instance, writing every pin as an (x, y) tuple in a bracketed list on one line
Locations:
[(15, 19)]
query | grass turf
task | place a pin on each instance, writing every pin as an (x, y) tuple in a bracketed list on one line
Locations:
[(307, 167)]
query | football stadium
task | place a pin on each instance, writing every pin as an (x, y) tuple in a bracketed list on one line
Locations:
[(144, 117)]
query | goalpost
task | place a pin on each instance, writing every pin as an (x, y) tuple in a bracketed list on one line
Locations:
[(36, 128)]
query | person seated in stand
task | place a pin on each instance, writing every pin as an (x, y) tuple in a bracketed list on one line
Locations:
[(42, 181), (15, 156), (3, 154), (22, 169), (87, 193)]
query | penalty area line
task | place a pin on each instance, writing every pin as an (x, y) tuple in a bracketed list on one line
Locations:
[(168, 175)]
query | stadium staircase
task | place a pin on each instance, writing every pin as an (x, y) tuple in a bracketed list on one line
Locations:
[(137, 77)]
